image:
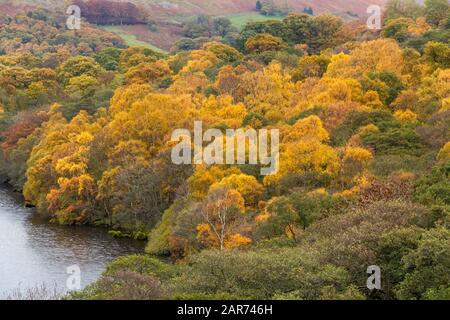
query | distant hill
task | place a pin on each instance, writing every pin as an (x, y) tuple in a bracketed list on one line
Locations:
[(156, 8)]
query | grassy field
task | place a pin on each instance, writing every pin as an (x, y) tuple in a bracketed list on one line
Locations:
[(241, 19), (130, 39)]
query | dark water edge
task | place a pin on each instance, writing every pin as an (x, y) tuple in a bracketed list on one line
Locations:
[(34, 252)]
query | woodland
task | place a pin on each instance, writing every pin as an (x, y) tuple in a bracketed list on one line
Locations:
[(364, 120)]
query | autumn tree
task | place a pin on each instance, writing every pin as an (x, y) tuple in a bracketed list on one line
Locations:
[(249, 188), (311, 66), (438, 54), (105, 12), (204, 177), (108, 58), (437, 11), (304, 151), (264, 42), (148, 72), (76, 67), (267, 92), (402, 8), (221, 210)]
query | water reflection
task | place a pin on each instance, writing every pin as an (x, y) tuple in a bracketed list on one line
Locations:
[(33, 252)]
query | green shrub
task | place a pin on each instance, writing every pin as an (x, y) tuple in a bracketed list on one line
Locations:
[(395, 141), (385, 165), (260, 274), (434, 187), (428, 267), (141, 264), (383, 119)]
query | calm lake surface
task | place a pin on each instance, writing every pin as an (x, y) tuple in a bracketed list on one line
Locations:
[(34, 252)]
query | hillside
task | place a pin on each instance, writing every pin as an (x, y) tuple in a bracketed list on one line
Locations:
[(225, 7), (158, 8), (169, 14)]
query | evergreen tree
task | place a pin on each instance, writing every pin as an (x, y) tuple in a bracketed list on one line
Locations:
[(258, 6), (308, 10)]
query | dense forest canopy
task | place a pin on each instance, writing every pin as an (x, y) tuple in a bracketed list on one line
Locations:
[(364, 121)]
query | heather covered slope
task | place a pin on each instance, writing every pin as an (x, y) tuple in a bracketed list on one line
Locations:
[(220, 7)]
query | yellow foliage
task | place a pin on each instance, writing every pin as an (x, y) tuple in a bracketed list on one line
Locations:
[(371, 56), (234, 241), (310, 127), (152, 119), (60, 157), (372, 100), (303, 151), (444, 153), (442, 83), (339, 66), (355, 154), (405, 116), (118, 160), (204, 177), (267, 92), (363, 181), (2, 111), (199, 60), (445, 105), (370, 128), (148, 72), (221, 110), (191, 83), (349, 193), (84, 138), (264, 217), (67, 168), (306, 155), (419, 27), (54, 108), (128, 152), (206, 236), (318, 192), (331, 90), (237, 241), (250, 189), (124, 97)]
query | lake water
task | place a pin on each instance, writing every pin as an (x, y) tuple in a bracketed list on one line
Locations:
[(34, 252)]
